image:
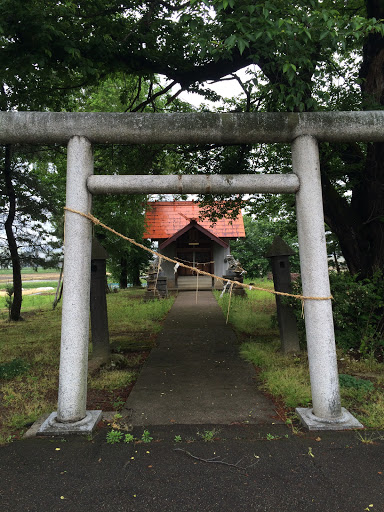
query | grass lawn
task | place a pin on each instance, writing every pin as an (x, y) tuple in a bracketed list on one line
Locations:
[(29, 355), (29, 286), (286, 377), (30, 303)]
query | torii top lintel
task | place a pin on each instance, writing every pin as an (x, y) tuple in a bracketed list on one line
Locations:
[(197, 128)]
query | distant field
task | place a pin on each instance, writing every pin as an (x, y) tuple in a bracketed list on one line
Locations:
[(30, 275), (30, 270)]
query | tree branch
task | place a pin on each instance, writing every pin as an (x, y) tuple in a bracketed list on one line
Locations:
[(152, 97), (128, 109), (246, 92), (217, 460), (186, 76)]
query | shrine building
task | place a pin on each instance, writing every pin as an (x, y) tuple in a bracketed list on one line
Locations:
[(183, 235)]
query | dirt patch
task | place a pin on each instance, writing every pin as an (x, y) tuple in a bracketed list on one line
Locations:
[(107, 400), (114, 400), (125, 342)]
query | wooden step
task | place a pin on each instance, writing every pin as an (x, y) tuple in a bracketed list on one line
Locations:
[(191, 283)]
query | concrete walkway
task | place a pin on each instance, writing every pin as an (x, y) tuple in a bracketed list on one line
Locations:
[(195, 374)]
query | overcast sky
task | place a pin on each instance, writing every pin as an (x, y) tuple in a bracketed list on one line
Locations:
[(227, 89)]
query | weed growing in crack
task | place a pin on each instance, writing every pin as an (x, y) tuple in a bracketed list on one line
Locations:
[(272, 437), (368, 438), (118, 403), (114, 436), (146, 437), (208, 435), (294, 429)]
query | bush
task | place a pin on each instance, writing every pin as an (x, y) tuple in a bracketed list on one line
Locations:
[(9, 299), (357, 312), (348, 381), (13, 369)]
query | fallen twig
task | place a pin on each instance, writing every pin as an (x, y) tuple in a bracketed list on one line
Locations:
[(215, 460)]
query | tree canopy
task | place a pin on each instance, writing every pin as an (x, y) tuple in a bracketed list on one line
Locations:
[(61, 46), (260, 233), (306, 55)]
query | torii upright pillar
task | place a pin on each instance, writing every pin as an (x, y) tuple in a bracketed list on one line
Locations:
[(71, 416), (326, 413)]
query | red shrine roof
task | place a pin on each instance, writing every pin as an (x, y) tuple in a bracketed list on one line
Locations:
[(164, 219)]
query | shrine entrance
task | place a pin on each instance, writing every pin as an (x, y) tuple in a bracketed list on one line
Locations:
[(186, 278), (302, 131), (195, 249)]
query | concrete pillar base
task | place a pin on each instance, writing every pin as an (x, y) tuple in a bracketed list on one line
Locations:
[(312, 422), (52, 427)]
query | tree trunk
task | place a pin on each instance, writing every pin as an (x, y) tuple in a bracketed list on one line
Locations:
[(136, 279), (359, 224), (368, 200), (12, 245), (343, 221), (123, 281), (337, 266), (369, 196)]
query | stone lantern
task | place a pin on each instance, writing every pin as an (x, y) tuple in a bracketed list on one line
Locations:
[(234, 273), (156, 282), (279, 253)]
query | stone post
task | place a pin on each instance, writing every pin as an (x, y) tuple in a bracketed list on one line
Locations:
[(327, 412), (99, 315), (71, 416), (278, 254)]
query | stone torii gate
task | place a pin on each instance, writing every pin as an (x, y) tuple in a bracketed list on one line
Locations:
[(303, 131)]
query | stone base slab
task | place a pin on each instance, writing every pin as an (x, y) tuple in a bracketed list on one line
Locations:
[(312, 422), (52, 427)]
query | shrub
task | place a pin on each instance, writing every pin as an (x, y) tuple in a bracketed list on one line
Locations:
[(357, 312), (9, 299), (348, 381), (13, 369)]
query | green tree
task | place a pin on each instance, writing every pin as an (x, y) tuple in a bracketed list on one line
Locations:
[(306, 55), (260, 233), (316, 56), (126, 214), (26, 203)]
